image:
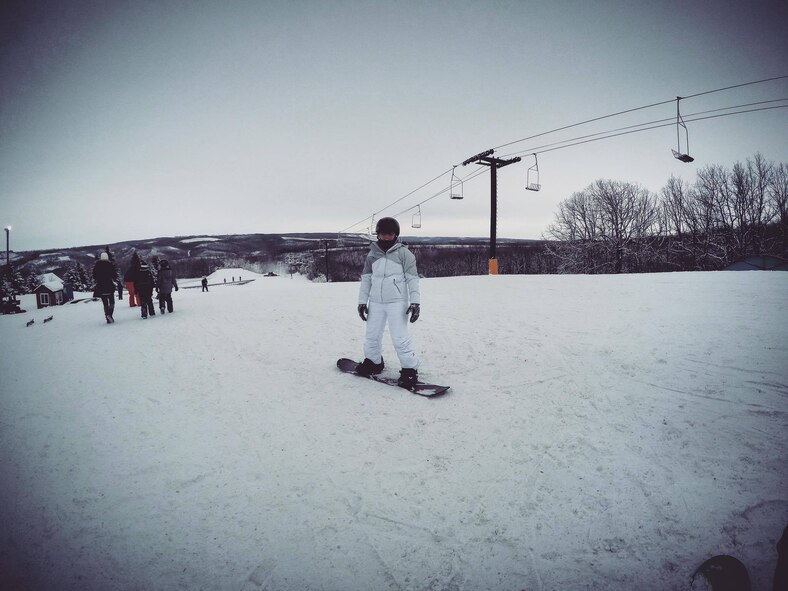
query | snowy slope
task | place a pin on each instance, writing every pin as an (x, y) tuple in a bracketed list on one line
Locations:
[(605, 432)]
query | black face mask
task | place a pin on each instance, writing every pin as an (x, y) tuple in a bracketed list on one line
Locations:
[(386, 244)]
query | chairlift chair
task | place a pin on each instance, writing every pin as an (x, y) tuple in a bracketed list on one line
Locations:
[(678, 154), (416, 221), (455, 182), (532, 176)]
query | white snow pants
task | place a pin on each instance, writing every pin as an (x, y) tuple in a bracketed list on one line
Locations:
[(397, 317)]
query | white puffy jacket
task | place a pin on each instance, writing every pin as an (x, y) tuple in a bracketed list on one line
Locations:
[(389, 276)]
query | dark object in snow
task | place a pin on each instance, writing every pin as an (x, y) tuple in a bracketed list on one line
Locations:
[(47, 319), (781, 571), (10, 305), (723, 573), (30, 322), (422, 389)]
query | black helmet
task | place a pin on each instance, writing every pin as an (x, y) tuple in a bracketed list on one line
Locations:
[(387, 226)]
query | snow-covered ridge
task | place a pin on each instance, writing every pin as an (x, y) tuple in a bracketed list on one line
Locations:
[(201, 239)]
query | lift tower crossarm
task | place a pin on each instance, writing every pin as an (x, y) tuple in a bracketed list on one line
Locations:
[(478, 156)]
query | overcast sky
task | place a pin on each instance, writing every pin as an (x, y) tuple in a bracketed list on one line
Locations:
[(132, 120)]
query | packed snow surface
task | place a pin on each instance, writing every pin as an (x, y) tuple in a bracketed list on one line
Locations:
[(601, 432)]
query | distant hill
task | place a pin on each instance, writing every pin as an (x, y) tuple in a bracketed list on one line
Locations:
[(202, 254)]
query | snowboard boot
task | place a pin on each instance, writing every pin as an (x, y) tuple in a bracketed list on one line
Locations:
[(368, 367), (407, 377)]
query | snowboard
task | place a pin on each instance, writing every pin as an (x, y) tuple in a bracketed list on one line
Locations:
[(422, 389)]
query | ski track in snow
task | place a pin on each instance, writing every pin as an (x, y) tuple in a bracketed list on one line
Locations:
[(602, 432)]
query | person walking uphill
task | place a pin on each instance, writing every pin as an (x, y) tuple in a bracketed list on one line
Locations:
[(389, 291), (143, 285), (128, 279), (105, 275), (165, 282)]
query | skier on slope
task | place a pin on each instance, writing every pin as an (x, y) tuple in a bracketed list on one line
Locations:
[(389, 291)]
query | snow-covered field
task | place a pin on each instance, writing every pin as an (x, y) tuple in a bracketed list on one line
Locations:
[(602, 432)]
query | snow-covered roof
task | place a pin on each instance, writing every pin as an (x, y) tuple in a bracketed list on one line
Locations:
[(52, 285), (45, 277), (51, 281)]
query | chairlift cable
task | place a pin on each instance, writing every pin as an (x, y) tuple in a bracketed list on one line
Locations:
[(638, 109), (734, 86), (540, 149), (657, 127), (397, 201), (471, 176)]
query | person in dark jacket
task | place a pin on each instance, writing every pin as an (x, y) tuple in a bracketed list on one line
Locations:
[(204, 284), (128, 278), (118, 281), (165, 283), (143, 285), (105, 275)]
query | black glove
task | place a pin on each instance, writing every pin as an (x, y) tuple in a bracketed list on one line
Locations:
[(414, 310), (176, 288), (362, 311)]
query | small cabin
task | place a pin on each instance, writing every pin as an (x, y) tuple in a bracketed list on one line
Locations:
[(50, 292)]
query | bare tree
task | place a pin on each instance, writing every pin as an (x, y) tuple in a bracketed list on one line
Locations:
[(628, 216), (680, 224), (778, 204), (608, 227), (576, 234)]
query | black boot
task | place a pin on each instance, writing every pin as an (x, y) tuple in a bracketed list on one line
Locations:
[(407, 377), (369, 367)]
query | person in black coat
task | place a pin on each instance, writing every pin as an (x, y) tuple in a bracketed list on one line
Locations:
[(128, 279), (105, 275), (143, 285), (165, 283)]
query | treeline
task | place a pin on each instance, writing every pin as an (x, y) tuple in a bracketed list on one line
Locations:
[(725, 215), (436, 261)]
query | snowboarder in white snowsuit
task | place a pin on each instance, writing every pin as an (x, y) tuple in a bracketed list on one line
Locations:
[(389, 292)]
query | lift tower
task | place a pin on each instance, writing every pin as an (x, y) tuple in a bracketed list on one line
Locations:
[(486, 159)]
